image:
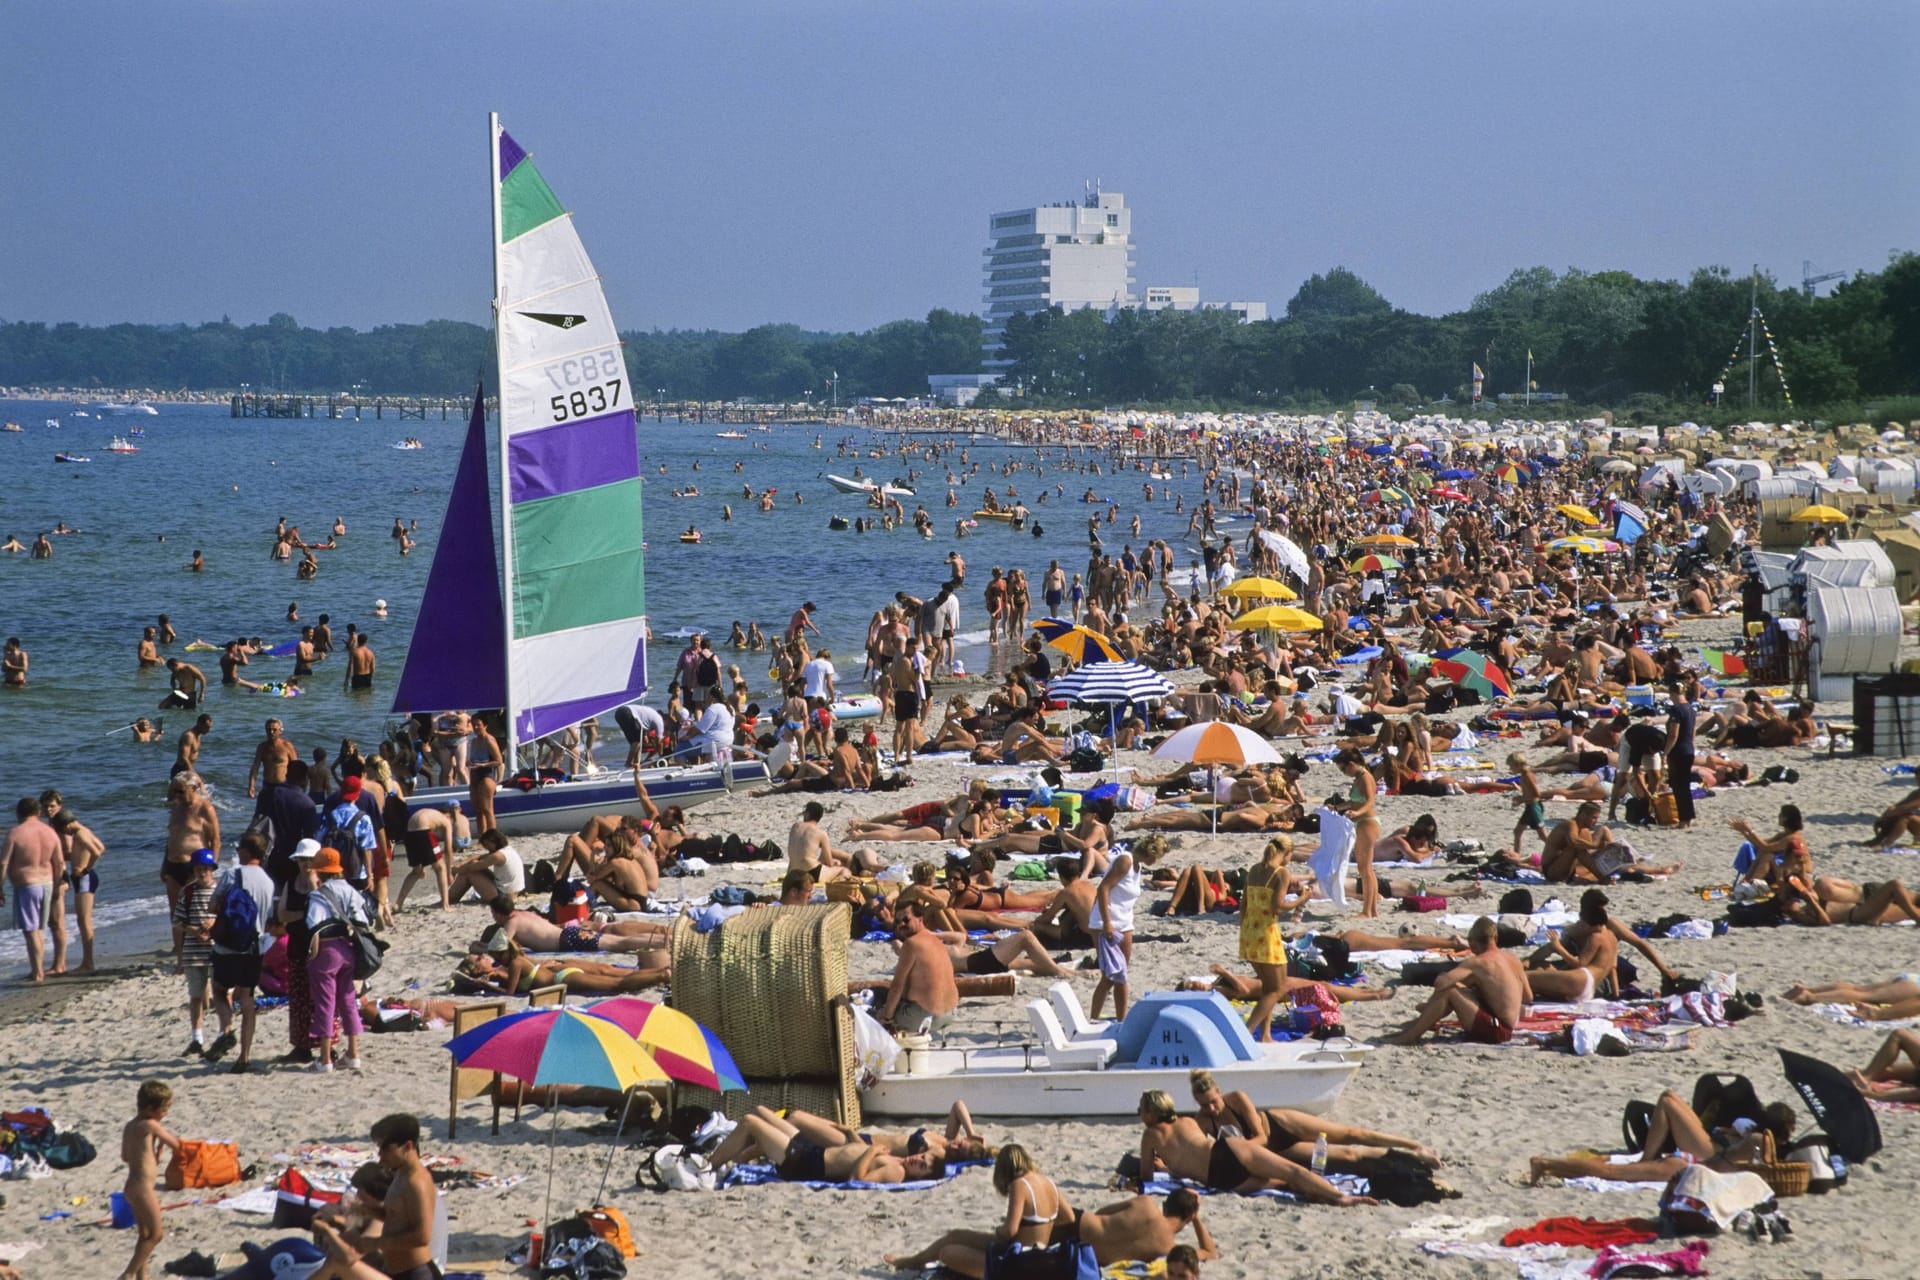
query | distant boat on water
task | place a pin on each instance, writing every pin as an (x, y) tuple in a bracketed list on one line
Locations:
[(13, 426), (71, 457), (121, 444), (137, 406)]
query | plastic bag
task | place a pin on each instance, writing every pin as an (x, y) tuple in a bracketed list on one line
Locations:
[(875, 1051)]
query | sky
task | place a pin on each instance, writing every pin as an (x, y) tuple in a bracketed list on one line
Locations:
[(834, 165)]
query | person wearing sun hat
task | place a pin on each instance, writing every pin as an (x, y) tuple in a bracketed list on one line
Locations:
[(334, 910)]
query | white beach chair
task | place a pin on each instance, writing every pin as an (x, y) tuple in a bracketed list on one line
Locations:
[(1062, 1053), (1072, 1017)]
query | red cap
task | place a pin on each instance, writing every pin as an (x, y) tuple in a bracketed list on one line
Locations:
[(350, 787)]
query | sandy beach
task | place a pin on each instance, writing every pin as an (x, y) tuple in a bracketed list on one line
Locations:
[(81, 1051)]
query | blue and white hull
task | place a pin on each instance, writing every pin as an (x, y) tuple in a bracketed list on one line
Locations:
[(565, 806)]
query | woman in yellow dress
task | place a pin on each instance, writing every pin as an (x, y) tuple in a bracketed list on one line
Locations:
[(1260, 942)]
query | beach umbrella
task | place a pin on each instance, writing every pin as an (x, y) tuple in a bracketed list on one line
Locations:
[(1619, 467), (1110, 685), (1276, 617), (1457, 473), (1214, 742), (1818, 514), (1379, 450), (1583, 546), (1838, 1107), (1450, 494), (1385, 540), (1509, 473), (1261, 589), (1577, 513), (1374, 563), (1287, 550), (1082, 644), (1471, 669), (554, 1047)]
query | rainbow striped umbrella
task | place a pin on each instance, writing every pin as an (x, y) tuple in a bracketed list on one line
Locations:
[(1471, 668), (685, 1050), (1374, 564), (1509, 473), (558, 1046)]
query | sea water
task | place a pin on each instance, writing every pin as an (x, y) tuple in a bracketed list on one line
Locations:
[(205, 480)]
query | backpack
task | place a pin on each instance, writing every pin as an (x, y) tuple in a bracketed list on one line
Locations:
[(708, 673), (236, 921), (1086, 760), (344, 820)]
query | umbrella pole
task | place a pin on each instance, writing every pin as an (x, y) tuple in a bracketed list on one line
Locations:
[(612, 1149), (553, 1137)]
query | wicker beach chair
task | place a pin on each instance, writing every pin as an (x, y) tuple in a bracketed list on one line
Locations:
[(772, 984)]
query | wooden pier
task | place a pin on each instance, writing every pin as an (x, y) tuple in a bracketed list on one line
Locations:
[(266, 404)]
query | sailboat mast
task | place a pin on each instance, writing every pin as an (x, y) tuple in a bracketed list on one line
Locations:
[(508, 748)]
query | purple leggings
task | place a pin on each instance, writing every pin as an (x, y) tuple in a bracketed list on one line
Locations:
[(330, 976)]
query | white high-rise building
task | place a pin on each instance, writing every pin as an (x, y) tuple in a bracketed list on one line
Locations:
[(1059, 255)]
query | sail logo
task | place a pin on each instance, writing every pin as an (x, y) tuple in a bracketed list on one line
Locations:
[(556, 320)]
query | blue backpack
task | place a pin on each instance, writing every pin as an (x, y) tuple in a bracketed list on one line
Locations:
[(236, 926)]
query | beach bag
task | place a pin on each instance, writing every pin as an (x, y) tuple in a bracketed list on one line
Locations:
[(369, 953), (1086, 759), (1666, 810), (68, 1151), (875, 1051), (236, 922), (609, 1224), (674, 1168), (203, 1164), (1399, 1178), (295, 1198), (1700, 1202), (1423, 902), (1825, 1173)]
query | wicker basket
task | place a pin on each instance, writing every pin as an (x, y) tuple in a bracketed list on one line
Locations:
[(772, 984), (1785, 1178)]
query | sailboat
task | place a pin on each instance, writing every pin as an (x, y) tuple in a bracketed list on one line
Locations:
[(547, 620)]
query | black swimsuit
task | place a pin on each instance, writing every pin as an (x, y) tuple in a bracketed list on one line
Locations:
[(805, 1161), (1224, 1170)]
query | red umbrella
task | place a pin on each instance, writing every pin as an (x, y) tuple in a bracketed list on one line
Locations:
[(1470, 667), (1452, 495)]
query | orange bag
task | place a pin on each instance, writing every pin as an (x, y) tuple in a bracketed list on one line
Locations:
[(1666, 810), (611, 1225), (203, 1164)]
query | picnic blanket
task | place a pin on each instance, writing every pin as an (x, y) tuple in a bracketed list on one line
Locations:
[(1163, 1184)]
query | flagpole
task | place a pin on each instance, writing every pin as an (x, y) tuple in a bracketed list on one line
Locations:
[(1529, 377)]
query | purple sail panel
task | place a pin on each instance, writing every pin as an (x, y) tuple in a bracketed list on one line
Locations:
[(458, 658), (573, 456), (511, 154), (538, 722)]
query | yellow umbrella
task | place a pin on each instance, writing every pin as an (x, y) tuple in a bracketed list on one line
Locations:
[(1386, 540), (1577, 513), (1818, 514), (1082, 644), (1261, 589), (1276, 617)]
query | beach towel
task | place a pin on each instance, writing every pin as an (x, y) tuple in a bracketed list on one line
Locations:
[(1329, 860), (1844, 1015), (1585, 1233), (1163, 1184), (759, 1175)]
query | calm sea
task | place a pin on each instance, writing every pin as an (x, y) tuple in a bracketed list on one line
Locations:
[(203, 480)]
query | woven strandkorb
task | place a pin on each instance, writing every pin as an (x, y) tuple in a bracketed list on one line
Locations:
[(772, 984)]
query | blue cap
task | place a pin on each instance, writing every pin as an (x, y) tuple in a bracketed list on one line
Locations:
[(205, 858)]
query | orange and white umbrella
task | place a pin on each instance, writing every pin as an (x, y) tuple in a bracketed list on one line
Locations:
[(1217, 742)]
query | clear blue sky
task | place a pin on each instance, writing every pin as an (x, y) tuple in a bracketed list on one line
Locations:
[(834, 164)]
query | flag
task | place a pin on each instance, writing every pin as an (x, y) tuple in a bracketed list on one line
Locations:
[(1477, 375), (1727, 664), (1529, 357)]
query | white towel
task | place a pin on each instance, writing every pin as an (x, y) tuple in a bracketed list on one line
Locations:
[(1329, 860)]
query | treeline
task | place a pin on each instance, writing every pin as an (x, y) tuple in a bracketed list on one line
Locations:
[(1601, 338), (1604, 338), (773, 362)]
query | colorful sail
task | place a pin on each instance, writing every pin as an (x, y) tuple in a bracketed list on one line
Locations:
[(576, 596), (458, 658)]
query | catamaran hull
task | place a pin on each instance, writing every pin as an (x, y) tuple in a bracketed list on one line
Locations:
[(992, 1083), (565, 806)]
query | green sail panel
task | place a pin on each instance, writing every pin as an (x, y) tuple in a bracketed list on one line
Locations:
[(577, 559), (526, 202)]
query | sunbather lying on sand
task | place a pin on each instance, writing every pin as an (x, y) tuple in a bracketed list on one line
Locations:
[(1235, 987), (1019, 950), (764, 1135), (1677, 1139), (510, 971), (1893, 1075), (1292, 1134), (1177, 1144), (1905, 986), (1836, 901), (1140, 1229), (960, 1141), (534, 932)]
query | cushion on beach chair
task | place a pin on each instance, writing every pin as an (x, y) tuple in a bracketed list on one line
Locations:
[(1062, 1052)]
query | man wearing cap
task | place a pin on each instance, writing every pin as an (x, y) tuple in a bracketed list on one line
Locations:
[(348, 828)]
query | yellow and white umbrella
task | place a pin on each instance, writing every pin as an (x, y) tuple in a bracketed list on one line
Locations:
[(1276, 617), (1261, 589)]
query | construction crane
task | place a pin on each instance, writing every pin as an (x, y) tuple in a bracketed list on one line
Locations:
[(1809, 281)]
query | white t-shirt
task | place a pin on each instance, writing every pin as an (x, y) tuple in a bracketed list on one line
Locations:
[(1121, 897), (510, 873), (714, 731), (817, 673)]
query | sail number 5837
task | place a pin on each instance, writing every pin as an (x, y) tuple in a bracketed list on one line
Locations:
[(594, 399)]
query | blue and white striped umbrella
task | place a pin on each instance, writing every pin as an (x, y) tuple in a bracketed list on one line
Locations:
[(1110, 683)]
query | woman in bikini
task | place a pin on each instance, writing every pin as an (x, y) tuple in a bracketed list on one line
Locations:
[(1231, 1162), (1415, 843), (952, 735), (1291, 1134), (1676, 1127), (1359, 810), (507, 970), (1021, 1247), (484, 761)]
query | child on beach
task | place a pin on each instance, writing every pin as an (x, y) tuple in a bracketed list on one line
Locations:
[(1533, 814), (193, 943), (141, 1143)]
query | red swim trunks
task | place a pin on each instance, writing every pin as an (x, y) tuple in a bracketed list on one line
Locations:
[(1487, 1029)]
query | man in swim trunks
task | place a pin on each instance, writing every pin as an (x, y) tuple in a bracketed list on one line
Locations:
[(1488, 992), (431, 838), (149, 651), (270, 759), (186, 757), (32, 862), (360, 663), (1018, 950), (1177, 1144), (192, 824), (531, 931), (186, 680), (923, 991), (406, 1215), (1578, 964), (232, 659)]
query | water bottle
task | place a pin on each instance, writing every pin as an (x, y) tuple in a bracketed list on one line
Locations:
[(1320, 1156)]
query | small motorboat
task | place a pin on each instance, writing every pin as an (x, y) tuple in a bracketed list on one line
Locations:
[(71, 457), (730, 435), (1082, 1069), (690, 536), (120, 444), (13, 426)]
